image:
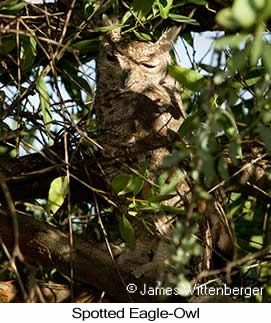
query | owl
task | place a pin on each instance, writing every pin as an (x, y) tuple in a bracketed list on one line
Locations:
[(138, 108), (137, 103)]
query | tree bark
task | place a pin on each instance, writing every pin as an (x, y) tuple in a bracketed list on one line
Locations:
[(50, 247)]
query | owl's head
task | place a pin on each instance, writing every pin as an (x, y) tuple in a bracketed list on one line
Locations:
[(128, 64)]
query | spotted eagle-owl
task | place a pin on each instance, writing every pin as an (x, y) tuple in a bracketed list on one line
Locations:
[(138, 104), (138, 108)]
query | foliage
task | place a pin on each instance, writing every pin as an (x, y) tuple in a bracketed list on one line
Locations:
[(47, 91)]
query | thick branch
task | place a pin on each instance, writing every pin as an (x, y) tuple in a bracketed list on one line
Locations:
[(43, 244), (29, 177)]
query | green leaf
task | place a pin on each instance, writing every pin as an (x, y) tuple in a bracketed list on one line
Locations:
[(11, 6), (28, 52), (164, 10), (208, 162), (174, 181), (124, 184), (89, 7), (147, 206), (160, 198), (231, 128), (209, 68), (172, 209), (198, 2), (127, 232), (235, 150), (266, 117), (245, 12), (163, 177), (257, 44), (7, 44), (119, 183), (189, 124), (266, 11), (138, 181), (141, 7), (266, 58), (87, 46), (226, 19), (176, 156), (57, 193), (256, 242), (183, 19), (135, 185), (74, 83), (232, 41), (142, 36), (44, 102), (265, 134), (223, 168), (249, 82), (188, 78)]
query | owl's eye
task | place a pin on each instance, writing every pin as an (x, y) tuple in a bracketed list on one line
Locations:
[(111, 58), (148, 65)]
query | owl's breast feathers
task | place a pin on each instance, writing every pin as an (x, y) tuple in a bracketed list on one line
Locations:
[(133, 120)]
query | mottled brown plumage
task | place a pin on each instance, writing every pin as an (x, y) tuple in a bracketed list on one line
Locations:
[(138, 107), (138, 104)]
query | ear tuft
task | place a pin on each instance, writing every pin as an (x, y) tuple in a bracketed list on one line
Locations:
[(165, 41), (114, 33)]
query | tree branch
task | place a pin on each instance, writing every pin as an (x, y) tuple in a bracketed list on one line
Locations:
[(48, 246)]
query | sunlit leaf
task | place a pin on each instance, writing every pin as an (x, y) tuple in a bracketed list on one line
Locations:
[(164, 9), (142, 36), (57, 193), (188, 78), (28, 52), (245, 12), (11, 6), (44, 102), (226, 19), (266, 57), (257, 44), (256, 242), (183, 19), (198, 2)]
